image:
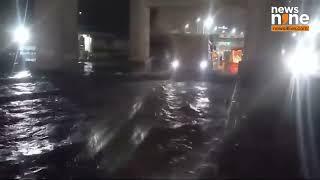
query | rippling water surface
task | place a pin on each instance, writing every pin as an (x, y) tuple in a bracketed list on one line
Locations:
[(156, 129)]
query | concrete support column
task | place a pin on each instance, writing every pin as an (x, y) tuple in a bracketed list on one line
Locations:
[(262, 46), (139, 31), (56, 34)]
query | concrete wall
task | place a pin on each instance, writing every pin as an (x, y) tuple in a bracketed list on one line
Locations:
[(55, 33), (139, 31), (262, 59)]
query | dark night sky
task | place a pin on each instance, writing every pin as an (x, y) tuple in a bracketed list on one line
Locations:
[(105, 15), (98, 15)]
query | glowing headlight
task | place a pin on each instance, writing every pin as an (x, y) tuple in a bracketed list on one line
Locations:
[(175, 64), (21, 35), (303, 63), (203, 64)]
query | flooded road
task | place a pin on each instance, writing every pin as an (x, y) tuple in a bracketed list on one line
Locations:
[(130, 129)]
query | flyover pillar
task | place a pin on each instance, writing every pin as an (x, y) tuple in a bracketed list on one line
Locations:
[(139, 31), (262, 46), (55, 34)]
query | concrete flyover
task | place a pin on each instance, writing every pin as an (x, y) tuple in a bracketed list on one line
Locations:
[(261, 45), (56, 29), (140, 20)]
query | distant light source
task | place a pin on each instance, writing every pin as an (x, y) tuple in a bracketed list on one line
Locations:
[(283, 52), (223, 27), (21, 35), (80, 12), (198, 20), (234, 30), (87, 42), (294, 34), (303, 62), (203, 65), (208, 22), (216, 28), (242, 33), (175, 64), (315, 26), (187, 26)]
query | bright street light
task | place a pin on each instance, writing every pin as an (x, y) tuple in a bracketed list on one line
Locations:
[(303, 62), (315, 26), (294, 34), (223, 27), (203, 65), (208, 22), (21, 35), (186, 28), (234, 30), (175, 64), (198, 23)]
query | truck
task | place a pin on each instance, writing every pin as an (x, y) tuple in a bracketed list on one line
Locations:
[(191, 53)]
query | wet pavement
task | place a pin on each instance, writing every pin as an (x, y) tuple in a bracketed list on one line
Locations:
[(158, 129)]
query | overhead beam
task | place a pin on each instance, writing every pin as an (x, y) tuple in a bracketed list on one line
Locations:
[(180, 3), (195, 3)]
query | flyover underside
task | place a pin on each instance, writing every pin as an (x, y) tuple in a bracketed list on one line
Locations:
[(179, 3), (195, 3), (140, 19), (261, 45), (56, 29), (140, 23)]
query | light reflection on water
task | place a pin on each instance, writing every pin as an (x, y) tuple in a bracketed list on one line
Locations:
[(29, 127), (23, 131), (36, 147), (26, 88), (98, 139), (88, 68), (139, 134), (115, 135), (23, 88), (101, 135), (21, 75), (184, 99)]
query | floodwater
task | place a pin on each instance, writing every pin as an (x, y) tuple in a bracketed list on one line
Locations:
[(158, 129)]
